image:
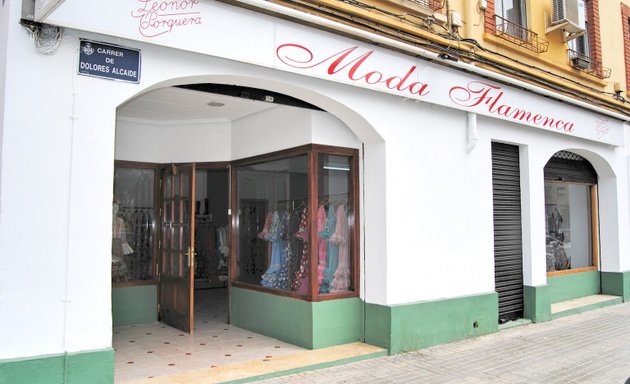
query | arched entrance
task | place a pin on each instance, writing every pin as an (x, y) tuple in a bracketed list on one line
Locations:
[(174, 149), (580, 230)]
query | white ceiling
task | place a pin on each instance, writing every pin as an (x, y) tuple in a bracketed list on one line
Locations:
[(177, 104)]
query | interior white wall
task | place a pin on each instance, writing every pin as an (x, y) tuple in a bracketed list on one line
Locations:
[(194, 142), (137, 141), (157, 142), (271, 130)]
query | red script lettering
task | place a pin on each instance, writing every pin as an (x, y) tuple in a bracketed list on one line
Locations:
[(352, 64)]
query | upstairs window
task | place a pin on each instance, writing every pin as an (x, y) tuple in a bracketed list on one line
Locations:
[(584, 51), (513, 11), (510, 23)]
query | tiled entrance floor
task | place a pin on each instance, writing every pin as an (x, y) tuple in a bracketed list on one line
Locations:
[(154, 350)]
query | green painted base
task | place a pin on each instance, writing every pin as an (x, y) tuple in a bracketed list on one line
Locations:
[(408, 327), (617, 284), (134, 305), (309, 325), (94, 367), (574, 285), (587, 308), (537, 302)]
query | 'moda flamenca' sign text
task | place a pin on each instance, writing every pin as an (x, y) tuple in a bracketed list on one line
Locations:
[(354, 66), (488, 96)]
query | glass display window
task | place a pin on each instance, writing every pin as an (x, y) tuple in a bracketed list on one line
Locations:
[(133, 224), (570, 215), (294, 231)]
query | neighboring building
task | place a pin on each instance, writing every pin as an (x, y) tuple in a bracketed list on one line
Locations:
[(403, 173)]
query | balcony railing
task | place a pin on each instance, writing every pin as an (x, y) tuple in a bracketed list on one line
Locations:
[(520, 35), (587, 64), (433, 5)]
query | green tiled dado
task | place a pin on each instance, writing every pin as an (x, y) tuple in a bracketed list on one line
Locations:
[(93, 367), (418, 325)]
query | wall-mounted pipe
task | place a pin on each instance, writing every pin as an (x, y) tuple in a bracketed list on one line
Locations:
[(472, 136)]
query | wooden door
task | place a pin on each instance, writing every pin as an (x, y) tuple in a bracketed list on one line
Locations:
[(176, 269)]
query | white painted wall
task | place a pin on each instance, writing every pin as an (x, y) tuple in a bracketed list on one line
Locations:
[(439, 205), (329, 130), (536, 149), (56, 191), (56, 174), (427, 219)]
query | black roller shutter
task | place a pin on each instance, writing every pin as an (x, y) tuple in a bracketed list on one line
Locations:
[(508, 247)]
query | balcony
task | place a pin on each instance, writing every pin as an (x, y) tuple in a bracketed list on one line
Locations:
[(519, 35), (588, 65), (433, 5)]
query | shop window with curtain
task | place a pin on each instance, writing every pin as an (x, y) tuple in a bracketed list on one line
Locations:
[(295, 231), (571, 214), (133, 224)]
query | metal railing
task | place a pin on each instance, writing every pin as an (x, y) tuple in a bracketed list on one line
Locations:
[(587, 64), (519, 35), (433, 5)]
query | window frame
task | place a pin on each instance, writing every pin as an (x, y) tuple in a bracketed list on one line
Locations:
[(312, 151), (156, 220), (594, 231), (522, 10), (593, 46)]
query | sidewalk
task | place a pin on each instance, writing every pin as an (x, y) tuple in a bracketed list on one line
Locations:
[(593, 347)]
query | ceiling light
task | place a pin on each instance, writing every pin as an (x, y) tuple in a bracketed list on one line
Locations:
[(215, 104), (336, 167)]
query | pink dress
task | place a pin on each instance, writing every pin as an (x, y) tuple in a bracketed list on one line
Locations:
[(341, 279), (321, 244)]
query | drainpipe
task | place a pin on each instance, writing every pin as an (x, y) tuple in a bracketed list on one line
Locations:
[(469, 14), (472, 135), (419, 52)]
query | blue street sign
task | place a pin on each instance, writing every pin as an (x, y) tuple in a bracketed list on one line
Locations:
[(109, 61)]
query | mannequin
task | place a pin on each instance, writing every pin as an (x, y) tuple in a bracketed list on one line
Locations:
[(120, 247)]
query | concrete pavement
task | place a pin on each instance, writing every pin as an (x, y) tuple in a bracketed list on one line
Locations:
[(592, 347)]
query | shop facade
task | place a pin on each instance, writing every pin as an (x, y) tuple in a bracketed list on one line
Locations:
[(380, 193)]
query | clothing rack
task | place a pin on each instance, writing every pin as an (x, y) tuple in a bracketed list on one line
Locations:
[(335, 198), (211, 251), (139, 235), (301, 200)]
